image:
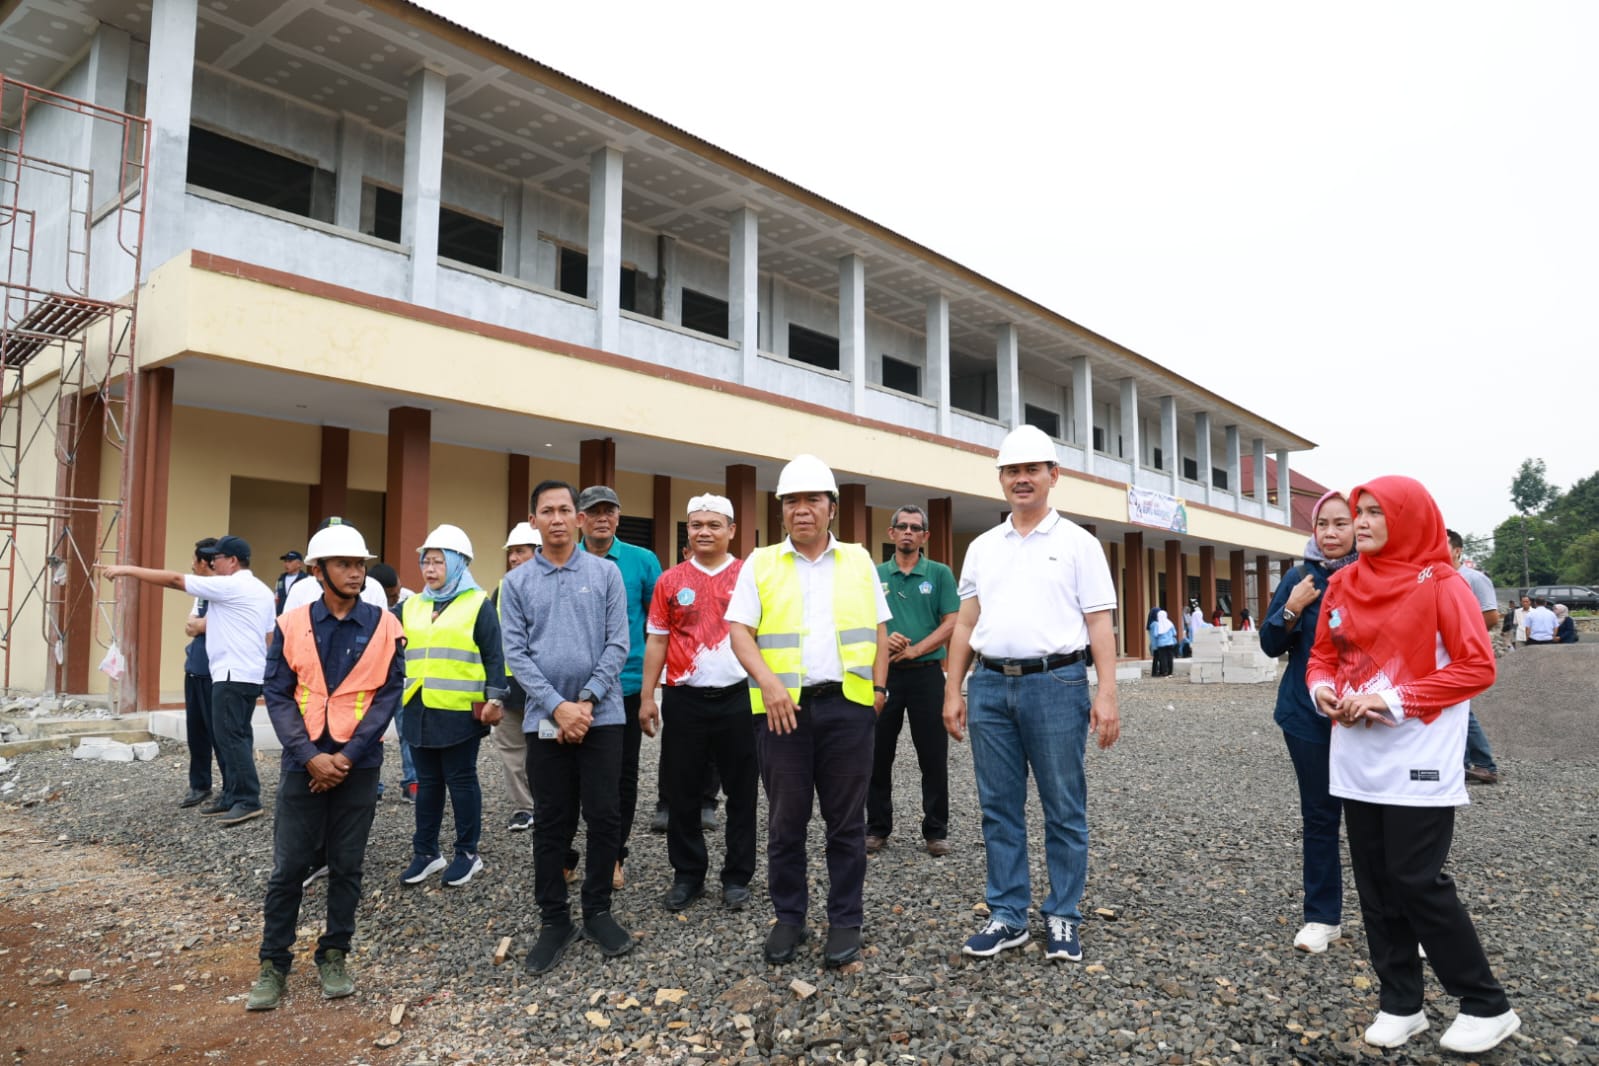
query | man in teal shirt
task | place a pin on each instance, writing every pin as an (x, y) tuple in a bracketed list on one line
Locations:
[(599, 512), (923, 597)]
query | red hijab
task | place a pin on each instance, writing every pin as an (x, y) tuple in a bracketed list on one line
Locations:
[(1388, 601)]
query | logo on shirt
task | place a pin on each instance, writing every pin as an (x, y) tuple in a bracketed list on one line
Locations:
[(685, 596), (1424, 775), (926, 588), (1333, 620)]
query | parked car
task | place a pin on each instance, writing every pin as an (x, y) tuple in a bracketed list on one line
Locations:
[(1577, 597)]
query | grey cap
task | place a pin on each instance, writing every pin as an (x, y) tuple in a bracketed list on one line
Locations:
[(595, 495)]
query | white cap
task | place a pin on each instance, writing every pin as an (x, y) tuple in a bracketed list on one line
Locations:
[(523, 534), (447, 536), (806, 473), (1026, 444), (709, 502), (337, 542)]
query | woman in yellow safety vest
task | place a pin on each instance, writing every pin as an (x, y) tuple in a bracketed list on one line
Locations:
[(454, 684)]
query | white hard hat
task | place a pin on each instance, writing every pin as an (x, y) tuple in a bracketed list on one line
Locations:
[(523, 534), (337, 542), (447, 536), (806, 473), (1026, 444)]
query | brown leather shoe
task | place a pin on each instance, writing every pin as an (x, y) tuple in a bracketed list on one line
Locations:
[(874, 843), (938, 848), (1481, 776)]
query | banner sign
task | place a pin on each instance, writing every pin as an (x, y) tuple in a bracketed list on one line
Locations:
[(1146, 508)]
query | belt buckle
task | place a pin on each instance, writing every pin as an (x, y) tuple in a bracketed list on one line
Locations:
[(1011, 670)]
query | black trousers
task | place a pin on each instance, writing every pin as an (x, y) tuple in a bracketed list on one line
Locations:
[(197, 728), (1398, 854), (567, 778), (1162, 661), (916, 694), (306, 827), (715, 731), (632, 740), (233, 737)]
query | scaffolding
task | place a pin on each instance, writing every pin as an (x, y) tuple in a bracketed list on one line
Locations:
[(68, 311)]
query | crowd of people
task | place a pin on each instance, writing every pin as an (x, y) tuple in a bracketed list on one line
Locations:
[(793, 671)]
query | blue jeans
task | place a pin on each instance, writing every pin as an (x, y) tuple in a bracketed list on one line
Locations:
[(453, 768), (1478, 753), (407, 765), (1321, 812), (1037, 721)]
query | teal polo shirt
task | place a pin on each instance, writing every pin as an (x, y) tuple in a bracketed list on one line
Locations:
[(640, 571), (919, 600)]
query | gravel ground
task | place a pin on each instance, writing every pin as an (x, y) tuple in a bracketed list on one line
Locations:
[(1194, 848)]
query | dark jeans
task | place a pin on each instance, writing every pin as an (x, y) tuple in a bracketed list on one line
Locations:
[(197, 729), (826, 760), (232, 705), (715, 731), (453, 768), (1478, 752), (632, 739), (1320, 811), (1405, 898), (312, 829), (917, 694), (566, 777)]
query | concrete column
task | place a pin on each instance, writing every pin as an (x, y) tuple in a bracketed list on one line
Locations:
[(518, 490), (743, 289), (350, 167), (1259, 450), (168, 96), (1207, 579), (1007, 355), (106, 67), (1168, 441), (596, 463), (663, 522), (852, 327), (331, 494), (1083, 407), (1262, 588), (1202, 452), (936, 354), (852, 517), (1174, 585), (774, 519), (526, 236), (1131, 450), (740, 488), (405, 507), (671, 282), (605, 245), (146, 515), (941, 524), (1134, 636), (1235, 464), (1119, 618), (1285, 489), (778, 312), (1237, 576), (79, 433), (1283, 566), (424, 169)]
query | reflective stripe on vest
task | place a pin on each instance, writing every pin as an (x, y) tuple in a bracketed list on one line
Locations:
[(781, 633), (340, 712), (441, 659)]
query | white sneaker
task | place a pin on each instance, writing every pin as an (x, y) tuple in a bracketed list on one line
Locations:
[(1315, 937), (1470, 1034), (1391, 1030)]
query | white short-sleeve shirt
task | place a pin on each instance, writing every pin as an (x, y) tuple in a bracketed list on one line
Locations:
[(819, 658), (240, 616), (304, 592), (1035, 590)]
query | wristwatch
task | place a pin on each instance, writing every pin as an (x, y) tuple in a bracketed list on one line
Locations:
[(1288, 616), (880, 688), (586, 696)]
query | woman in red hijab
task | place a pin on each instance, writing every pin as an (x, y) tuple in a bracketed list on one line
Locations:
[(1399, 654)]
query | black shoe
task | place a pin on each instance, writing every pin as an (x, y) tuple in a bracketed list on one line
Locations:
[(216, 807), (552, 944), (239, 814), (683, 893), (843, 945), (734, 897), (194, 797), (608, 934), (783, 942), (659, 821)]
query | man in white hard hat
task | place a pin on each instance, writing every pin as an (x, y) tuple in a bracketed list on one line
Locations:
[(304, 593), (809, 627), (1036, 600), (510, 743), (333, 681)]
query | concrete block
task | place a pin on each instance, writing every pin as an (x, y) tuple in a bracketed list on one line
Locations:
[(1205, 673), (1181, 667), (146, 751), (116, 751), (1240, 675), (90, 747)]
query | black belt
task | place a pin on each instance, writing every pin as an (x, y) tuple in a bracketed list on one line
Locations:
[(706, 693), (823, 691), (916, 665), (1018, 667)]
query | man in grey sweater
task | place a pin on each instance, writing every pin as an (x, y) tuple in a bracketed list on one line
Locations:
[(564, 622)]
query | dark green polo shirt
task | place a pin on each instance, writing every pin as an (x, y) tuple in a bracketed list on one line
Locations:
[(919, 600)]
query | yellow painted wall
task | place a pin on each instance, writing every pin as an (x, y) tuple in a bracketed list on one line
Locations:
[(466, 487)]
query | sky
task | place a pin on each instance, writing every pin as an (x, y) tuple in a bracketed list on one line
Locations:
[(1374, 224)]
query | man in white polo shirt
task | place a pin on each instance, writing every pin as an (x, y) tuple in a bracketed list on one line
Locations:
[(1036, 596)]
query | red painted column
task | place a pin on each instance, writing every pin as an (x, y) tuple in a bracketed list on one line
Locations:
[(1174, 584), (81, 434), (1262, 587), (518, 490), (331, 494), (664, 524), (1237, 575), (1134, 635), (852, 515), (147, 540), (740, 488), (405, 507), (1207, 580), (941, 521), (596, 463)]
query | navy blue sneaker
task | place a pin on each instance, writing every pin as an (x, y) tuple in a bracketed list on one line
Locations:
[(422, 867), (1063, 942), (995, 938), (461, 869)]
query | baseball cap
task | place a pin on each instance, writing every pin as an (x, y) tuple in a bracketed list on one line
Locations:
[(235, 547), (595, 495), (292, 556)]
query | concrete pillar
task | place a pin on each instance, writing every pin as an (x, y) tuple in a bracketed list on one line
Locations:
[(852, 515), (1285, 488), (106, 67), (852, 327), (525, 237), (936, 354), (331, 494), (1134, 636), (1207, 579), (1237, 577), (663, 522), (740, 488), (1131, 450), (1168, 441), (941, 527), (1007, 356), (1235, 464), (596, 463), (1259, 450), (774, 519), (146, 515), (80, 435), (405, 507), (1283, 566), (1119, 618), (743, 289), (777, 331), (424, 169), (1262, 588), (669, 280), (605, 246), (518, 490), (1174, 585), (169, 92), (1083, 406), (349, 169), (1202, 452)]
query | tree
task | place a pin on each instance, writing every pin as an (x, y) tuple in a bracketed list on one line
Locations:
[(1530, 491), (1579, 563), (1517, 562)]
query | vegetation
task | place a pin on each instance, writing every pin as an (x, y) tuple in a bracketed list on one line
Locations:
[(1553, 538)]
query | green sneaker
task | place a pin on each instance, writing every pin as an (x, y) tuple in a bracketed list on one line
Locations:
[(336, 981), (268, 988)]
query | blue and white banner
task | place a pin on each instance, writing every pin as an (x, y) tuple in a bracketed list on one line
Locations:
[(1146, 508)]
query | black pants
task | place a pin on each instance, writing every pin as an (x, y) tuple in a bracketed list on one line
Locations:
[(709, 787), (197, 730), (232, 706), (716, 731), (311, 829), (1405, 898), (1162, 661), (565, 779), (632, 740), (918, 694)]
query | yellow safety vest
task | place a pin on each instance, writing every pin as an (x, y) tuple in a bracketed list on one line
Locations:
[(441, 659), (781, 633)]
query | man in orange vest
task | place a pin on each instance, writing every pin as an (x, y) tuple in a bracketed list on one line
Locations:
[(334, 678)]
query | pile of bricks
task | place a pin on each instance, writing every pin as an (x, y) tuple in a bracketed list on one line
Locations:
[(1222, 656)]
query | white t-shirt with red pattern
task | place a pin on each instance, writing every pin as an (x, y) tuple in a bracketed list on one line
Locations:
[(689, 608)]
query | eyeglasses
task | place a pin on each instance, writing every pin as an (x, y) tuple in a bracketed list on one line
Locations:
[(906, 527)]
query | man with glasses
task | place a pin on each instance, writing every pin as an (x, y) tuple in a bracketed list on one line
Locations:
[(922, 595)]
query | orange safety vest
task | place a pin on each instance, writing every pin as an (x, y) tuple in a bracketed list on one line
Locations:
[(342, 711)]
